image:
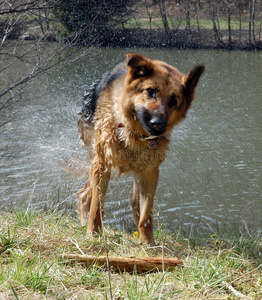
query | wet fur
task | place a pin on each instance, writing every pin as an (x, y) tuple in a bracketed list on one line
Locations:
[(126, 123)]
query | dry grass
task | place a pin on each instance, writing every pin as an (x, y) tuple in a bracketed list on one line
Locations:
[(218, 266)]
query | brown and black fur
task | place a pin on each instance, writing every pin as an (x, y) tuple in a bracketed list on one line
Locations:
[(126, 124)]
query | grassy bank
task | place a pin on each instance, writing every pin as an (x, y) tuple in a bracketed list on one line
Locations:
[(221, 265)]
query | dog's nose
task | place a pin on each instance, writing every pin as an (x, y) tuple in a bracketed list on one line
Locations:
[(158, 124)]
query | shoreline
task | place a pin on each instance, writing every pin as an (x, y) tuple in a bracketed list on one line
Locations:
[(178, 39), (155, 38)]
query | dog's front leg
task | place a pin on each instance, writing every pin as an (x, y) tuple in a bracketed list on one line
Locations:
[(85, 197), (99, 182), (135, 199), (146, 183)]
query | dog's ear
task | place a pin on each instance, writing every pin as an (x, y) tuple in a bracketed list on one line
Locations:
[(138, 66), (190, 82)]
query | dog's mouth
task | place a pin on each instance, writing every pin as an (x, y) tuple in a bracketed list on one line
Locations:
[(143, 138), (154, 124)]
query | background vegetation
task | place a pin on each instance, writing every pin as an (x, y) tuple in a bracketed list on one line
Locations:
[(232, 24)]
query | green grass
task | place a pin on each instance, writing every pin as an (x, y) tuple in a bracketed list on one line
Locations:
[(217, 265), (203, 23)]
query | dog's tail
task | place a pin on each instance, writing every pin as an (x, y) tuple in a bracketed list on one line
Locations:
[(89, 103), (85, 116)]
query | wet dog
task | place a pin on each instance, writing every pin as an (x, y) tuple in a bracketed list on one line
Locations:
[(126, 123)]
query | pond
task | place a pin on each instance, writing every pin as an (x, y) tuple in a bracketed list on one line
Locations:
[(213, 173)]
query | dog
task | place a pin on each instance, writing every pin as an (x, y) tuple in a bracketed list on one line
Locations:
[(125, 124)]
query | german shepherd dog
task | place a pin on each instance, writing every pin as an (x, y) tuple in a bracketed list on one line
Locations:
[(127, 119)]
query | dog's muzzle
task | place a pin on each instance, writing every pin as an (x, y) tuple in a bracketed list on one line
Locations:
[(153, 122)]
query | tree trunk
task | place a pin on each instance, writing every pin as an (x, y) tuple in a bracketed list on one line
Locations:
[(259, 34), (216, 31), (229, 26), (162, 7), (187, 13), (240, 21), (250, 22), (149, 17), (197, 16), (253, 21)]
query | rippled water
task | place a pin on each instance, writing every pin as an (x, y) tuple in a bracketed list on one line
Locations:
[(213, 171)]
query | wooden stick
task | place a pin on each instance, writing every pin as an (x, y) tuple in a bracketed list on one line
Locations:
[(127, 264)]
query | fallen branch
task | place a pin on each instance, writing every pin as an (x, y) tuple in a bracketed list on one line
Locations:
[(127, 264)]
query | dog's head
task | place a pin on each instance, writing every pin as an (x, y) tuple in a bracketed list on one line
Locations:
[(156, 95)]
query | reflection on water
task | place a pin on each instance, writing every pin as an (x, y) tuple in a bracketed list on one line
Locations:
[(213, 171)]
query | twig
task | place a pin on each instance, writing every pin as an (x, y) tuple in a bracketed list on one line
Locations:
[(161, 237), (246, 273), (77, 246), (107, 259), (104, 234), (160, 294), (144, 251), (234, 291), (238, 278)]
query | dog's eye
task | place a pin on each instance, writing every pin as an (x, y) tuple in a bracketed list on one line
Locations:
[(151, 93), (173, 101)]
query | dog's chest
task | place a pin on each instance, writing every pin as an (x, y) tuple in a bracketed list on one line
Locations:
[(133, 160), (124, 151)]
